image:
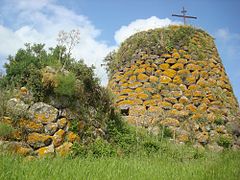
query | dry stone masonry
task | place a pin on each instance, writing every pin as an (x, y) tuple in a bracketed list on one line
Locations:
[(165, 79), (40, 131)]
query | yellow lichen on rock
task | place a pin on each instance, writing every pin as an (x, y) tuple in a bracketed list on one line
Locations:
[(187, 83)]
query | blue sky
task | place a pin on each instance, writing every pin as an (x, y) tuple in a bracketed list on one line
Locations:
[(105, 24)]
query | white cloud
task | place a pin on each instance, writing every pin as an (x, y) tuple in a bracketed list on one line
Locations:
[(40, 21), (141, 25), (224, 34)]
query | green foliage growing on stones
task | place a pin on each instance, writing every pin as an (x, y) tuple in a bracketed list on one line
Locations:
[(160, 41)]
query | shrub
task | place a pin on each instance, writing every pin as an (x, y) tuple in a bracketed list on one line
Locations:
[(219, 121), (65, 84), (225, 140)]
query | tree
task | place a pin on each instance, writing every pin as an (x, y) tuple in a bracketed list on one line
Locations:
[(67, 41)]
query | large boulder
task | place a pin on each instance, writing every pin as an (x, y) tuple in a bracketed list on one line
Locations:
[(17, 107), (44, 113)]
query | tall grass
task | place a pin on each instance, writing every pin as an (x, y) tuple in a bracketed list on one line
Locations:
[(182, 164)]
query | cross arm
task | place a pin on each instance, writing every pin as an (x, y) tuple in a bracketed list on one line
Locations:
[(193, 17)]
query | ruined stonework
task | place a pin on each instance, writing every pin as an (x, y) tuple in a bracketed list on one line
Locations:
[(39, 128), (174, 78)]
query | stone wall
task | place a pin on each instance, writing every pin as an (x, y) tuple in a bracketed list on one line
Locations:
[(41, 130), (180, 90)]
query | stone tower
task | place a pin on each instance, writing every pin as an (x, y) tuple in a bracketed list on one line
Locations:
[(173, 77)]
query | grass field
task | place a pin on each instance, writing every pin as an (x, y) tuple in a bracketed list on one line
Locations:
[(179, 164)]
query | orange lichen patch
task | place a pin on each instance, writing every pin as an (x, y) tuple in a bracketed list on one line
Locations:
[(134, 85), (190, 80), (72, 137), (165, 105), (23, 90), (139, 71), (45, 118), (183, 138), (132, 78), (204, 74), (177, 66), (164, 66), (128, 73), (172, 86), (17, 135), (137, 111), (7, 120), (142, 77), (171, 61), (24, 151), (177, 113), (211, 117), (62, 122), (170, 122), (178, 106), (170, 99), (221, 129), (31, 126), (118, 77), (205, 100), (158, 72), (182, 87), (132, 96), (156, 96), (149, 70), (166, 55), (203, 137), (151, 102), (201, 82), (169, 73), (211, 97), (139, 90), (187, 56), (149, 89), (188, 93), (153, 79), (125, 104), (154, 66), (38, 140), (193, 87), (175, 55), (193, 67), (155, 109), (126, 91), (203, 107), (58, 137), (122, 81), (183, 72), (181, 51), (165, 79), (64, 149), (139, 61), (125, 85), (182, 61), (45, 151), (142, 96), (191, 108), (176, 94), (198, 93), (197, 116)]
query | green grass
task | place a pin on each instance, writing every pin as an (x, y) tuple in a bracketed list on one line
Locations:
[(182, 164)]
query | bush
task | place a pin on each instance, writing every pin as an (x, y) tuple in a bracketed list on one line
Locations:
[(65, 85), (225, 140)]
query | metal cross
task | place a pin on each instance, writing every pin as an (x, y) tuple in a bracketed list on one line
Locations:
[(184, 16)]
